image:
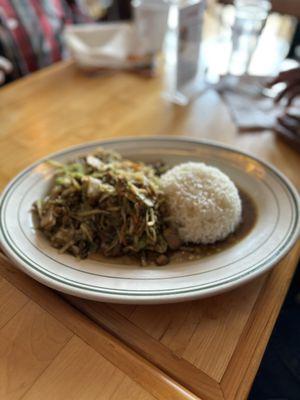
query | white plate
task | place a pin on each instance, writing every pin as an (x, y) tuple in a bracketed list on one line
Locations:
[(274, 233)]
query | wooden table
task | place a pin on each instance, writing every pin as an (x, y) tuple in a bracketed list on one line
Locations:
[(50, 349)]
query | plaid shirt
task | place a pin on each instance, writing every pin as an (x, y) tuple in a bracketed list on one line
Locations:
[(30, 31)]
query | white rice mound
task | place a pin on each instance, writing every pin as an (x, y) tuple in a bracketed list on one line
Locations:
[(204, 203)]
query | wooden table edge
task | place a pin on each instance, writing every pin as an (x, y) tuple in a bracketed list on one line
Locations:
[(151, 378), (133, 336), (236, 381), (38, 75), (238, 377)]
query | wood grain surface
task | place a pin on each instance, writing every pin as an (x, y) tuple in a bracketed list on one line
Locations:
[(29, 342), (11, 301), (146, 375), (209, 348), (194, 334), (80, 372)]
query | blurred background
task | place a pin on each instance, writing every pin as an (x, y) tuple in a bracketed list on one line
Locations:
[(233, 47), (31, 32)]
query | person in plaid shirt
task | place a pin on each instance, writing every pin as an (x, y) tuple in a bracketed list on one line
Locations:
[(30, 30), (30, 33)]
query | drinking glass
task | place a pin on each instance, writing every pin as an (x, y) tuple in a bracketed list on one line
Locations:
[(249, 20), (150, 22)]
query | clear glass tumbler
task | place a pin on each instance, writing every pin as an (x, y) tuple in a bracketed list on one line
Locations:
[(249, 20), (150, 22)]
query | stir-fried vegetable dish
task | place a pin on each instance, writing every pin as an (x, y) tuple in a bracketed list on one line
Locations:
[(102, 203)]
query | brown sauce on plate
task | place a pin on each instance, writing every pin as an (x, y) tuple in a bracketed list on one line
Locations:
[(196, 251), (193, 252)]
